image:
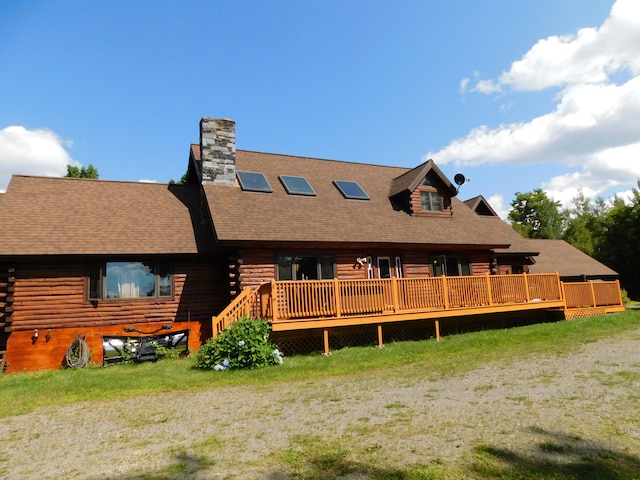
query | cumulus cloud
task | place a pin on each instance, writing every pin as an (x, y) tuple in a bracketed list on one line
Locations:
[(31, 152), (592, 129)]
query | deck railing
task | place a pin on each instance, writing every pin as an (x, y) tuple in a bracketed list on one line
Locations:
[(592, 294), (340, 298), (322, 299)]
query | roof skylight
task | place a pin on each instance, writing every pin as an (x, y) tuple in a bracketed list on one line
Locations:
[(296, 185), (254, 182), (351, 190)]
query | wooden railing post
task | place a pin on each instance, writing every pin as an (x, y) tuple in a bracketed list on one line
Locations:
[(619, 292), (489, 292), (336, 296), (395, 295), (445, 292), (593, 294), (526, 287), (274, 302)]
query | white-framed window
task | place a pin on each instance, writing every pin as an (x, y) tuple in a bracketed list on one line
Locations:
[(398, 268)]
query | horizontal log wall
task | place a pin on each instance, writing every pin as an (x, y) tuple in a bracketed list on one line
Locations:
[(258, 266), (52, 299)]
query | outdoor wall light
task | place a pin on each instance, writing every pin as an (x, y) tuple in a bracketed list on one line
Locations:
[(47, 337), (35, 335)]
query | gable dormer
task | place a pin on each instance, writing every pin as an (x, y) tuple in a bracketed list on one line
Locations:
[(480, 206), (423, 191)]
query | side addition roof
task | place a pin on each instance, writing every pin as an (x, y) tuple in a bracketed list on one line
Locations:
[(562, 257), (68, 216)]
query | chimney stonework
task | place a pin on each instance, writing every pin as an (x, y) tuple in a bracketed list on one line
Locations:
[(218, 151)]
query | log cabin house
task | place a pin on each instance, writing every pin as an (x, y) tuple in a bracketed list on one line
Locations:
[(323, 248)]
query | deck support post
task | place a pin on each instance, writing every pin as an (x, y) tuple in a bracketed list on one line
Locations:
[(437, 330), (325, 340), (380, 342)]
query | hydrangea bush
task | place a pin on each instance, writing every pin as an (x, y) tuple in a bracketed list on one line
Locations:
[(245, 344)]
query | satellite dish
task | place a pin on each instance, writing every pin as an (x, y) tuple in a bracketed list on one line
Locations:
[(459, 179)]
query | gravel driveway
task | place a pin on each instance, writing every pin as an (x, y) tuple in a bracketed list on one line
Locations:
[(589, 398)]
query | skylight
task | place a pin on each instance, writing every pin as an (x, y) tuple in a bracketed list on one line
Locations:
[(296, 185), (254, 182), (351, 190)]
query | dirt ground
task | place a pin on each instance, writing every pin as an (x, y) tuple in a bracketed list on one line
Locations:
[(588, 399)]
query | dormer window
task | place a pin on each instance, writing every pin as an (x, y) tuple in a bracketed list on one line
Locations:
[(430, 201)]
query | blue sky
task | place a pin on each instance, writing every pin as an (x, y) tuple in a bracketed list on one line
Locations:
[(514, 95)]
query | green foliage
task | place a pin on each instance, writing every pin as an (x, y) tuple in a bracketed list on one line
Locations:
[(182, 181), (535, 215), (245, 344), (620, 248), (585, 225), (84, 172)]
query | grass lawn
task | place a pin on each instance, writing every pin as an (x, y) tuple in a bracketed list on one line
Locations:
[(311, 457), (456, 354)]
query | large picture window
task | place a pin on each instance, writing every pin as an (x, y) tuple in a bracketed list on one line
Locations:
[(300, 267), (130, 280)]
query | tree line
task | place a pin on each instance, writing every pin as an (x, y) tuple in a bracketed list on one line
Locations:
[(608, 231)]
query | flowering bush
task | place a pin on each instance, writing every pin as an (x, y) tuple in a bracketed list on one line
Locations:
[(245, 344)]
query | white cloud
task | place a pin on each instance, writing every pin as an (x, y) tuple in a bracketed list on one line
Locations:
[(593, 128), (497, 203), (31, 152)]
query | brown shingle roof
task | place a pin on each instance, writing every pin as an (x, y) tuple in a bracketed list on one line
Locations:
[(559, 256), (43, 215), (328, 217)]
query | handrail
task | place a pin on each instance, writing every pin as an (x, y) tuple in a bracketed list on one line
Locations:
[(246, 304)]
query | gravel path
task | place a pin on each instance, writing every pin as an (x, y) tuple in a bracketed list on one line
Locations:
[(406, 418)]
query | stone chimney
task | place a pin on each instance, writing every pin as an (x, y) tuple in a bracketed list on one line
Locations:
[(218, 151)]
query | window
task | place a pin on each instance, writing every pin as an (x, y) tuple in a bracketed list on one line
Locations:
[(254, 182), (296, 185), (130, 280), (292, 267), (351, 190), (450, 265), (430, 201), (384, 267), (398, 267)]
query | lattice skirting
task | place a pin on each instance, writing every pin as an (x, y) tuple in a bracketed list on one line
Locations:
[(309, 341), (572, 313)]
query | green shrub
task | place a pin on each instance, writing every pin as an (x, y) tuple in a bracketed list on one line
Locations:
[(625, 296), (245, 344)]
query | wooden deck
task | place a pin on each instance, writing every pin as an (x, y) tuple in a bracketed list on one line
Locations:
[(325, 304)]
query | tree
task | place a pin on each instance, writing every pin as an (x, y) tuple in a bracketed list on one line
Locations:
[(182, 181), (84, 172), (620, 248), (585, 224), (535, 215)]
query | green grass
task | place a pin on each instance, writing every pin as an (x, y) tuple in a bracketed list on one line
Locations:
[(454, 355)]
